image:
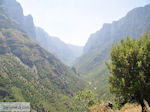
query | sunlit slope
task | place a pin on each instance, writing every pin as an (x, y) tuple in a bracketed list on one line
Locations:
[(29, 73)]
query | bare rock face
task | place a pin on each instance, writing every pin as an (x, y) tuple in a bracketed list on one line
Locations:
[(29, 26), (14, 10), (133, 24)]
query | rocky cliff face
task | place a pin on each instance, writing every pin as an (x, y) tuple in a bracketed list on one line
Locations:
[(14, 10), (133, 24), (30, 27)]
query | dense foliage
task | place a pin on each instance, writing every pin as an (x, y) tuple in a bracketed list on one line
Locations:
[(85, 99), (130, 69)]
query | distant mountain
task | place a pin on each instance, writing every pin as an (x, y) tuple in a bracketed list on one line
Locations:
[(65, 52), (52, 44), (29, 73), (96, 51), (76, 50)]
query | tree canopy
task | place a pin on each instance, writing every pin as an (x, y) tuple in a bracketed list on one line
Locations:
[(130, 70)]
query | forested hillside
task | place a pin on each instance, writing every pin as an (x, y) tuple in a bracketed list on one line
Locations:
[(28, 72)]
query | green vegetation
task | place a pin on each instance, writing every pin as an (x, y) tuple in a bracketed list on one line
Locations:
[(129, 66), (29, 73), (95, 72), (91, 65), (84, 100)]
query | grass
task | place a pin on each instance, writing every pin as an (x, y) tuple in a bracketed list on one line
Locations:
[(126, 108)]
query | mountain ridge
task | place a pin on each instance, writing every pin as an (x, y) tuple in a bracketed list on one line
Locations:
[(65, 52), (126, 26)]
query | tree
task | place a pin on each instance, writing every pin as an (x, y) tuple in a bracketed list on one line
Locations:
[(130, 69), (85, 98)]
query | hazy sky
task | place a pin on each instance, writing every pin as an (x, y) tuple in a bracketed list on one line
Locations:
[(74, 20)]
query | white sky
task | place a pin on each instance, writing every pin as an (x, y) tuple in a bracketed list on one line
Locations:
[(74, 20)]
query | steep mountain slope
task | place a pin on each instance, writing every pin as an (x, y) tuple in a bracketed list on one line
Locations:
[(133, 24), (96, 51), (60, 49), (66, 53), (30, 73), (24, 63), (14, 10)]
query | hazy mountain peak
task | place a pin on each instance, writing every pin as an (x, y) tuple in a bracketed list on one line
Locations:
[(61, 50), (14, 10)]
